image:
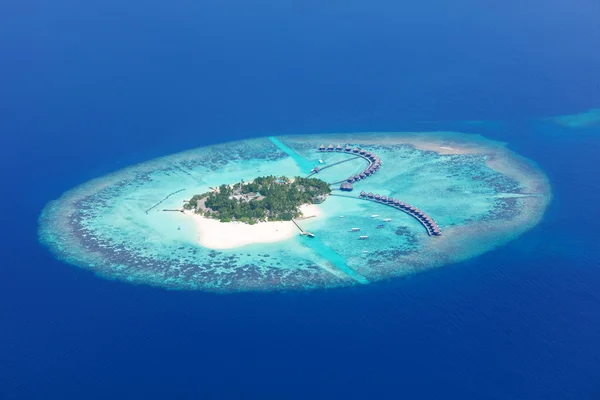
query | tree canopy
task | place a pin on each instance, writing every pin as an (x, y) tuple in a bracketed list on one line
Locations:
[(267, 198)]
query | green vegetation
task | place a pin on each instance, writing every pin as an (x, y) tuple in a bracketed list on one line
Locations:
[(266, 198)]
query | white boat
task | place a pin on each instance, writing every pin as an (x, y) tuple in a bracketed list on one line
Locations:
[(320, 161), (341, 216), (363, 237), (387, 220), (354, 229), (374, 215), (365, 251)]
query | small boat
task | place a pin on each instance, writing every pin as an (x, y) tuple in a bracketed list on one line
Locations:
[(310, 235), (387, 220), (363, 237), (365, 251), (354, 229), (374, 215), (320, 161), (379, 226), (341, 216)]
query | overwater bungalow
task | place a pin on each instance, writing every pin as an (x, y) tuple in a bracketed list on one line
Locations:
[(362, 151), (363, 175), (321, 147), (396, 202), (357, 177), (338, 147), (346, 187), (368, 172), (363, 194), (348, 148), (368, 154), (370, 195), (355, 150), (377, 197), (390, 200), (330, 147)]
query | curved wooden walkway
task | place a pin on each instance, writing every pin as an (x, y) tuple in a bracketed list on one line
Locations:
[(372, 159), (430, 225), (317, 169)]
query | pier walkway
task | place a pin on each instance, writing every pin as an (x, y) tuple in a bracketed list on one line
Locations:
[(302, 231), (165, 198), (316, 170), (428, 223), (372, 159)]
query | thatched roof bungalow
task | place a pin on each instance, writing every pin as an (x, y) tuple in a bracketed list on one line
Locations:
[(370, 195), (346, 187)]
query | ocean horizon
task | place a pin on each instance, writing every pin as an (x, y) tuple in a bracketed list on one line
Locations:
[(90, 89)]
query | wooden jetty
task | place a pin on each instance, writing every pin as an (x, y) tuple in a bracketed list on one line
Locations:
[(302, 231), (374, 162), (428, 223)]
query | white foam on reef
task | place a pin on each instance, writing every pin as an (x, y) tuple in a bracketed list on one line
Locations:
[(481, 194)]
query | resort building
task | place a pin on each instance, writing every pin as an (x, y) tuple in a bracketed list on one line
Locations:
[(346, 187)]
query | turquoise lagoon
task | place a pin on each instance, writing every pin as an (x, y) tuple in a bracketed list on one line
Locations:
[(480, 193)]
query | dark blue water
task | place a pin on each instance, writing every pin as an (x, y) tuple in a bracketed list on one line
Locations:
[(90, 87)]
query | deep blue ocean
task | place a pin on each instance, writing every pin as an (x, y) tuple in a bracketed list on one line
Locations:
[(89, 87)]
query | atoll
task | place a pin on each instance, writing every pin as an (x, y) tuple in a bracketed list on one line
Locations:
[(417, 201)]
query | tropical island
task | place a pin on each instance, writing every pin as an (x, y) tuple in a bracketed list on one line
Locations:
[(267, 198), (415, 183)]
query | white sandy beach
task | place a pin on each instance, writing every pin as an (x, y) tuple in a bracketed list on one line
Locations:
[(217, 235)]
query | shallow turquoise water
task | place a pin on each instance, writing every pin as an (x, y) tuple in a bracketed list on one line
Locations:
[(305, 165), (123, 225)]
